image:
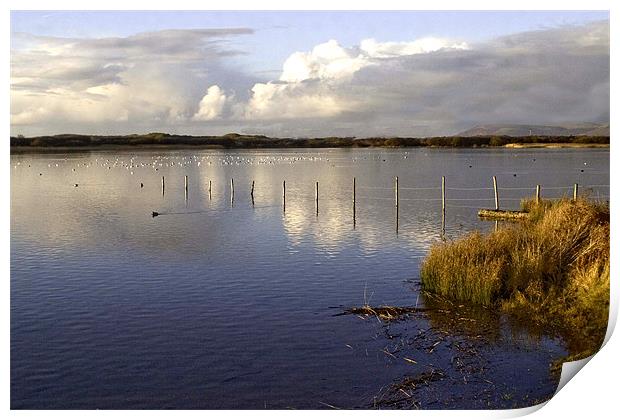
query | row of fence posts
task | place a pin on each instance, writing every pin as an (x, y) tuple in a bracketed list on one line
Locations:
[(496, 193), (396, 196)]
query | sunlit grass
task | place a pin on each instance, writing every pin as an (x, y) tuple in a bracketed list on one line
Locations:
[(553, 266)]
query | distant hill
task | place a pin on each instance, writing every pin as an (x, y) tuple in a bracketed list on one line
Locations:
[(514, 130)]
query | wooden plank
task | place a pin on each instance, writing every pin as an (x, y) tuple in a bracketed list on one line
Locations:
[(502, 214)]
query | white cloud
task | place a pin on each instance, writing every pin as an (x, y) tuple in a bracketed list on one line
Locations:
[(428, 86), (376, 49), (332, 66), (140, 80), (211, 105), (332, 61), (438, 87), (327, 60), (289, 101)]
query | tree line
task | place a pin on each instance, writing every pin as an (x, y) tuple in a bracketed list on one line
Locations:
[(234, 140)]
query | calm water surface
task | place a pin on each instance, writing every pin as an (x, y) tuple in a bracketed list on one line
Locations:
[(220, 304)]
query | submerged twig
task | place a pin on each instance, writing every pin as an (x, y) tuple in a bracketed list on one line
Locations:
[(384, 313)]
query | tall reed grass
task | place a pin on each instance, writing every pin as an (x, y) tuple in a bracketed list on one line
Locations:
[(553, 266)]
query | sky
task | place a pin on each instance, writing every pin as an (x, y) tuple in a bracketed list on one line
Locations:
[(305, 74)]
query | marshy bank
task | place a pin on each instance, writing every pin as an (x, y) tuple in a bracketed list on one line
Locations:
[(466, 341), (554, 267), (452, 354)]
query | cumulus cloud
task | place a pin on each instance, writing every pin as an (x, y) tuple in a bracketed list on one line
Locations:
[(325, 61), (147, 79), (211, 105), (310, 81), (184, 81), (437, 87), (375, 49), (303, 100)]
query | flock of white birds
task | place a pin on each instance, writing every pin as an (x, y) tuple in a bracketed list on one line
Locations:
[(159, 162)]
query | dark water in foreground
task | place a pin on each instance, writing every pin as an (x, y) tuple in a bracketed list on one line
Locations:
[(213, 305)]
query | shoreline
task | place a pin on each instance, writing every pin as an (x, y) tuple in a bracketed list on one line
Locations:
[(556, 146)]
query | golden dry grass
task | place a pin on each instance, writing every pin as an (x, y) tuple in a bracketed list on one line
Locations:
[(554, 267)]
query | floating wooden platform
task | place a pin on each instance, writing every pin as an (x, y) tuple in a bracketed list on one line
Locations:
[(502, 214)]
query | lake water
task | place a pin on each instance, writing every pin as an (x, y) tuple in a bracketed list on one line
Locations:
[(220, 304)]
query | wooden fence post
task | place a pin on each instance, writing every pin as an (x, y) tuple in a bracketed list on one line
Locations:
[(186, 186), (396, 190), (232, 192), (252, 193), (353, 201), (443, 207), (496, 195), (575, 191), (396, 201), (316, 195), (537, 194), (443, 194)]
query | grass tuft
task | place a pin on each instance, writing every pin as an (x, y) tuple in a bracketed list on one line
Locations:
[(553, 266)]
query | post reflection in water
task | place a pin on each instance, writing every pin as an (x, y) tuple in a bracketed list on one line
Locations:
[(396, 218)]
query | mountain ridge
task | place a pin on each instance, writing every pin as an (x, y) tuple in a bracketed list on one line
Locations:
[(523, 130)]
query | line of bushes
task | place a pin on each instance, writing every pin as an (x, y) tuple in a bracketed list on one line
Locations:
[(235, 140)]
